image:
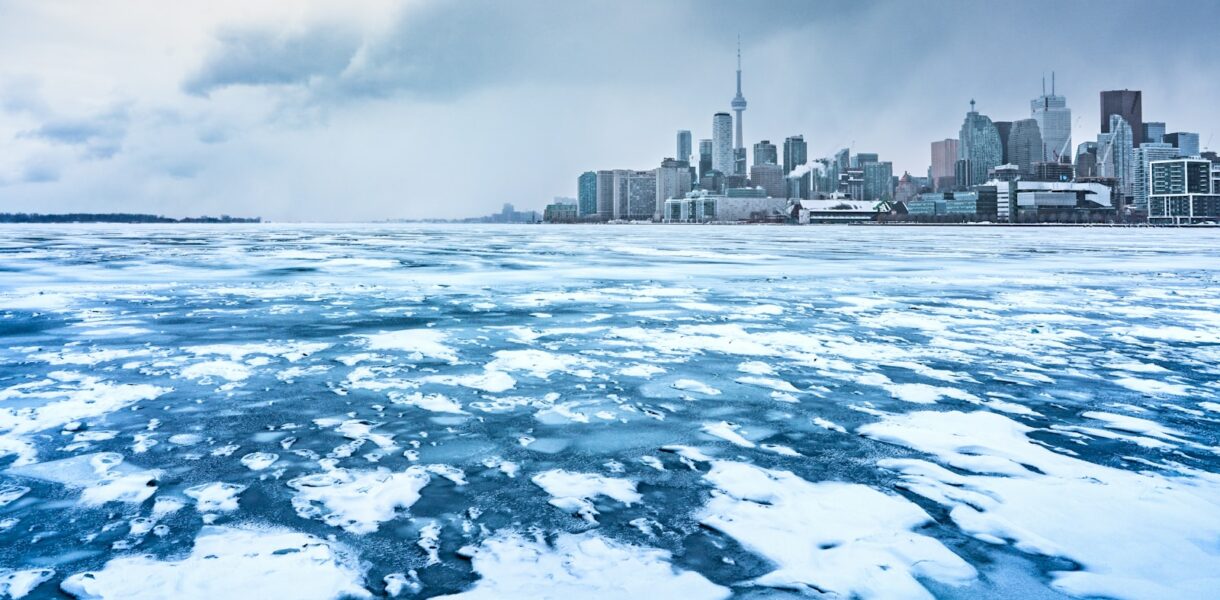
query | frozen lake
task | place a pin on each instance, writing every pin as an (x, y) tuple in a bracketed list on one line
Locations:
[(276, 411)]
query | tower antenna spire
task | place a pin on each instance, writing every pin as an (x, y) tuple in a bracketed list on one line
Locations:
[(1052, 83)]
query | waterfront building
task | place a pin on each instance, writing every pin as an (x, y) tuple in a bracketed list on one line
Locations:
[(738, 205), (978, 149), (605, 195), (1025, 146), (586, 194), (673, 181), (1142, 179), (1024, 201), (1054, 120), (635, 195), (769, 177), (944, 157), (1186, 143), (562, 210), (1128, 104), (722, 143), (1182, 192), (836, 209), (765, 153)]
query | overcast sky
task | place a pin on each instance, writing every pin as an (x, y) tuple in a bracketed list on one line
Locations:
[(365, 110)]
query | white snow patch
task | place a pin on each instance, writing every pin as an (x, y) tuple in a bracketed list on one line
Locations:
[(579, 566), (357, 501), (231, 563), (691, 385), (419, 343), (573, 492)]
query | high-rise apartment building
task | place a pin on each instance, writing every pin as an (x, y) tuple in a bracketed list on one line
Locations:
[(673, 181), (1182, 192), (796, 153), (1145, 155), (722, 143), (683, 146), (635, 195), (878, 181), (1116, 155), (1004, 128), (586, 194)]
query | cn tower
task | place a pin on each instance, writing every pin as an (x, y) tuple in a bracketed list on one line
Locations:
[(739, 102)]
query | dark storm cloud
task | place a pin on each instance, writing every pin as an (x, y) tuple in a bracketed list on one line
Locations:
[(250, 56)]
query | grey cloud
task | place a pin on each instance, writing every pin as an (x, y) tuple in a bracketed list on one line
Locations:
[(256, 57), (98, 136)]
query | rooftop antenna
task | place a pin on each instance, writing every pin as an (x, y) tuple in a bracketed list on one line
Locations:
[(972, 105), (1044, 84), (1052, 83)]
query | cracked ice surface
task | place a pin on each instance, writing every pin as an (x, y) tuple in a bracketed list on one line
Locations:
[(703, 412)]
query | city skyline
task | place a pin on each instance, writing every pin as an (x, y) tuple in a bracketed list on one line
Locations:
[(317, 113)]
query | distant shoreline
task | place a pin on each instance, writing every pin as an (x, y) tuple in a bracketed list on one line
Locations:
[(126, 218)]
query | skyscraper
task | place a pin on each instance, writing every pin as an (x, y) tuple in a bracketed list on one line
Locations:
[(978, 149), (1086, 159), (1186, 143), (739, 106), (635, 195), (944, 156), (878, 181), (1116, 155), (1054, 123), (1154, 132), (684, 145), (1025, 146), (586, 194), (796, 153), (1004, 128), (1128, 104), (705, 157), (722, 143), (765, 153), (605, 195)]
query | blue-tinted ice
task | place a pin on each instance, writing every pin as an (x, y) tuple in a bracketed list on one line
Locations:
[(619, 412)]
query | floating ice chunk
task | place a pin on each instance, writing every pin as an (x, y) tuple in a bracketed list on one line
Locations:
[(1211, 406), (756, 367), (257, 461), (645, 371), (691, 385), (55, 402), (828, 425), (539, 363), (450, 472), (573, 492), (216, 496), (579, 566), (231, 563), (430, 542), (1172, 333), (781, 450), (224, 369), (506, 466), (357, 501), (18, 583), (845, 539), (488, 381), (431, 402), (1153, 387), (185, 439), (290, 351), (103, 476), (419, 343), (1047, 503), (728, 432), (356, 429), (225, 450), (778, 385)]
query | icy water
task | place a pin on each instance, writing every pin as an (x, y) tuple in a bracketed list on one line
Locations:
[(609, 412)]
